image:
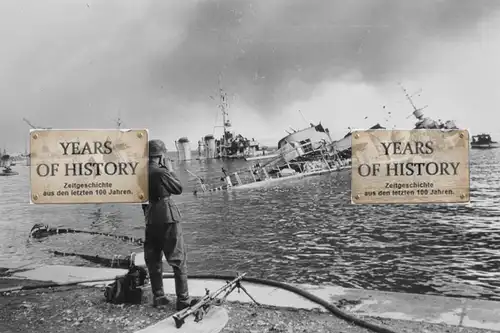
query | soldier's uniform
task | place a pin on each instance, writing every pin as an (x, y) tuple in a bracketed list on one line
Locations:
[(163, 230)]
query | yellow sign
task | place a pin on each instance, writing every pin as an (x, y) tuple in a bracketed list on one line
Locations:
[(89, 166), (410, 166)]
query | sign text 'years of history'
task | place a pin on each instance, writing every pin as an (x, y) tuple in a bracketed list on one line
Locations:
[(412, 166), (89, 166)]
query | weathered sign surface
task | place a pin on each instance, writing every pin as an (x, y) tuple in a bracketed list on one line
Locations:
[(410, 166), (89, 166)]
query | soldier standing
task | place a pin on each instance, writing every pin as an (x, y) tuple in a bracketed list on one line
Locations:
[(163, 228)]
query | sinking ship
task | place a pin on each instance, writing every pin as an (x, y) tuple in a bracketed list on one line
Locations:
[(343, 146), (230, 145)]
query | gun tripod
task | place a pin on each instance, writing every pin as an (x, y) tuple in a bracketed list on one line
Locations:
[(237, 285), (202, 307)]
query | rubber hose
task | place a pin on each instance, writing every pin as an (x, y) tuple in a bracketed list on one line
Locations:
[(313, 298), (61, 231)]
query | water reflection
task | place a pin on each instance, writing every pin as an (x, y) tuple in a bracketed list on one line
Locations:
[(305, 231)]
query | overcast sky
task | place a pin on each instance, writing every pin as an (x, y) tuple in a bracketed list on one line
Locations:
[(81, 64)]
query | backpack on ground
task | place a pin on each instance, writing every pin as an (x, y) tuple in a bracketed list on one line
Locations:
[(127, 289)]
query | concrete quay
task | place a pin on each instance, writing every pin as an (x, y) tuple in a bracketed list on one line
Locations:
[(413, 307)]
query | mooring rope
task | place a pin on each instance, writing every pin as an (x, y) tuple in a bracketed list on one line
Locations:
[(42, 230), (117, 261)]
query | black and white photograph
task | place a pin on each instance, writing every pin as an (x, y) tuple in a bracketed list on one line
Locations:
[(249, 166)]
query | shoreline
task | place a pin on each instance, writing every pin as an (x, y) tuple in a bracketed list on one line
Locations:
[(82, 309), (450, 312), (14, 269)]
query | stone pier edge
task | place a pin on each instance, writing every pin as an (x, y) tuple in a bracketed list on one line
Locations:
[(453, 311)]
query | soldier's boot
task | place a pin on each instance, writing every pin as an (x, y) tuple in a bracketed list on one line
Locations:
[(160, 301), (159, 298), (182, 292)]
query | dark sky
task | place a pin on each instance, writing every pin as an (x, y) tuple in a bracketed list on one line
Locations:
[(261, 46), (155, 63)]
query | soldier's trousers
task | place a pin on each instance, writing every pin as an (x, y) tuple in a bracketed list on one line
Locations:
[(166, 238)]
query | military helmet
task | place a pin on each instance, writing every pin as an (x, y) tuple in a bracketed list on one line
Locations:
[(157, 148)]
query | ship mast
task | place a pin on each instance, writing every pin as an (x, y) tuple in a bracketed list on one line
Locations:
[(118, 122), (417, 112), (33, 126), (226, 123)]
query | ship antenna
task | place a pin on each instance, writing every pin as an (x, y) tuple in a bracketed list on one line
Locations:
[(300, 111), (311, 123), (417, 112), (223, 107), (119, 123)]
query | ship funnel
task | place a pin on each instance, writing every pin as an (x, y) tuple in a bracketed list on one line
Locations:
[(210, 146), (418, 114), (183, 149)]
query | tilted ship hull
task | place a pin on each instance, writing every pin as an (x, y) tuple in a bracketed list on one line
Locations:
[(303, 153), (343, 146), (315, 133)]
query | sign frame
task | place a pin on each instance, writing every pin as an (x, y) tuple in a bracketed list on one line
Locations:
[(108, 166), (369, 158)]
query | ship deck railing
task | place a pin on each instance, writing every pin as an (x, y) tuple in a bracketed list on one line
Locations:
[(325, 160)]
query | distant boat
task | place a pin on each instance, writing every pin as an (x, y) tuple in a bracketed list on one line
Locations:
[(7, 171), (4, 160), (483, 141)]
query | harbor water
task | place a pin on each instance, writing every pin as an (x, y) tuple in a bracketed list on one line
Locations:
[(303, 231)]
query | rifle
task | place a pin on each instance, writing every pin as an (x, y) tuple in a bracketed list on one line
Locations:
[(203, 305)]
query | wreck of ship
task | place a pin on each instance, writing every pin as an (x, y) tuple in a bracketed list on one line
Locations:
[(343, 146), (307, 152), (230, 145), (302, 153)]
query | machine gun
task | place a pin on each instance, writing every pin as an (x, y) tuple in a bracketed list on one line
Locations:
[(203, 305)]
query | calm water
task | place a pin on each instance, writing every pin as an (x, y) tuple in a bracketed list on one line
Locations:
[(305, 231)]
